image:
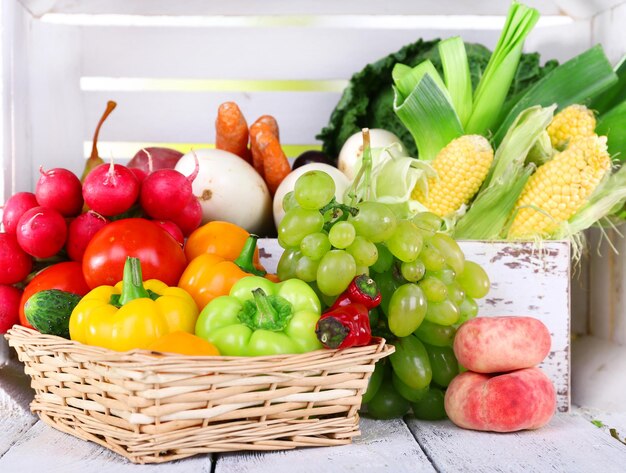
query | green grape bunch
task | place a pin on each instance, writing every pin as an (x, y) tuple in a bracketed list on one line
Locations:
[(428, 288)]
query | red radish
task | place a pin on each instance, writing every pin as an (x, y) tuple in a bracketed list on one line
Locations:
[(80, 232), (166, 192), (140, 174), (190, 217), (110, 189), (9, 307), (61, 190), (15, 207), (172, 229), (154, 158), (15, 264), (41, 232)]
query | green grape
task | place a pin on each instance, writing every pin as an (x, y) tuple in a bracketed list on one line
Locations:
[(468, 309), (450, 250), (474, 280), (289, 201), (410, 362), (375, 221), (435, 334), (443, 313), (445, 275), (406, 242), (315, 245), (341, 234), (427, 222), (443, 364), (413, 271), (306, 269), (384, 259), (407, 309), (456, 293), (374, 382), (434, 289), (314, 189), (335, 272), (298, 223), (407, 392), (431, 406), (432, 258), (287, 264), (364, 252), (374, 317), (387, 403), (387, 284), (362, 270)]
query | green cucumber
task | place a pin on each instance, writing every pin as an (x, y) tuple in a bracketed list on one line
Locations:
[(49, 311)]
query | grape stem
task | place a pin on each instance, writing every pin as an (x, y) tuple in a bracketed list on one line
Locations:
[(360, 189), (339, 212)]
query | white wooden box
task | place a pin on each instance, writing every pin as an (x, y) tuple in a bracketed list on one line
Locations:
[(525, 280)]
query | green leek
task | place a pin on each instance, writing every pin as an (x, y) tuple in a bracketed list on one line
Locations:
[(406, 78), (457, 76), (429, 116), (616, 94), (494, 85)]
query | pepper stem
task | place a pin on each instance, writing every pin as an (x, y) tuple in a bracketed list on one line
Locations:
[(246, 257), (366, 285), (266, 312), (331, 332), (132, 283)]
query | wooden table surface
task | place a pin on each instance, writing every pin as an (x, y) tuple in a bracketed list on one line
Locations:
[(570, 443)]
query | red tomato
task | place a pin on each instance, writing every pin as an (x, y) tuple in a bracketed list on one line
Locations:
[(66, 276), (161, 256)]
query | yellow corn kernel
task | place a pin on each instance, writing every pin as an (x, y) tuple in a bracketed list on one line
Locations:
[(461, 168), (560, 187), (572, 122)]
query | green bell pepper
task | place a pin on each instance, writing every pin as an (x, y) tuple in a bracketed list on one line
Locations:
[(260, 317)]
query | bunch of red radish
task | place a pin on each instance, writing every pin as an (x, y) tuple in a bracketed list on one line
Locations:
[(60, 218)]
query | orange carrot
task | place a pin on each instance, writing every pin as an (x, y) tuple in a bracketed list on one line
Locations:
[(265, 123), (275, 163), (231, 131)]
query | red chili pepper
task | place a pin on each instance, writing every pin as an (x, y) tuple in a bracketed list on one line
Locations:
[(362, 290), (344, 327)]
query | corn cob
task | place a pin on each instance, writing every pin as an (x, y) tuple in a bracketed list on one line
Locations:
[(572, 122), (461, 168), (560, 187)]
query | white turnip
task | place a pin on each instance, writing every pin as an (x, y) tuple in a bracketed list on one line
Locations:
[(15, 207), (110, 189), (80, 232), (41, 232), (15, 264), (166, 192), (61, 190), (229, 189)]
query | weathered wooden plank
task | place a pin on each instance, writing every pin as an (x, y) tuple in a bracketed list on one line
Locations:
[(607, 421), (383, 446), (568, 443), (15, 395), (43, 448)]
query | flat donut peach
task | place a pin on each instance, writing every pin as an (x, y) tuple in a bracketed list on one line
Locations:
[(523, 399), (498, 344)]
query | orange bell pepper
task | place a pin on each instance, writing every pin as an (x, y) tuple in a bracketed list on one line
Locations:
[(224, 239), (185, 344), (208, 276)]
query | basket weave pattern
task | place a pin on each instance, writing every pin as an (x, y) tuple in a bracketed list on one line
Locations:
[(153, 408)]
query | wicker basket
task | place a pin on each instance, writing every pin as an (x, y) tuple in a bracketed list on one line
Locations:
[(153, 408)]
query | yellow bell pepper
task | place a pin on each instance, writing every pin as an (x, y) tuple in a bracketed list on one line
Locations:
[(133, 313)]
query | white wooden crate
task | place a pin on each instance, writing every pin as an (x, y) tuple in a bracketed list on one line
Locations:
[(169, 64), (525, 280)]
